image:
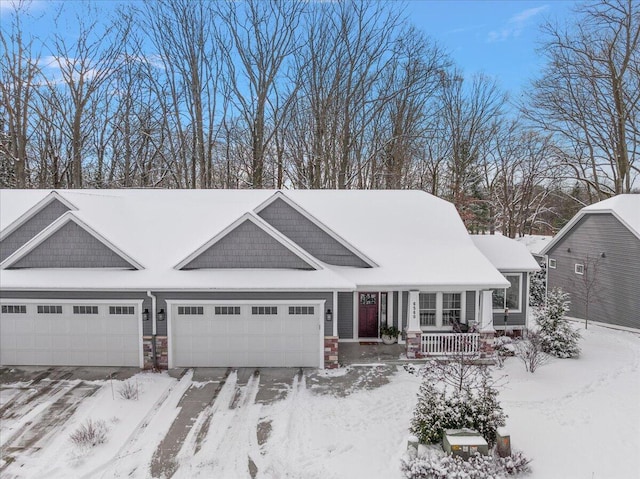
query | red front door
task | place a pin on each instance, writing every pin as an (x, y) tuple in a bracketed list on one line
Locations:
[(368, 315)]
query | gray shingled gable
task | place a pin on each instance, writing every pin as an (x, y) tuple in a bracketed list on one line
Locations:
[(248, 246), (308, 235), (71, 246), (34, 225)]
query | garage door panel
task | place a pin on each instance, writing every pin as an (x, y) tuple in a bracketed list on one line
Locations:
[(69, 339)]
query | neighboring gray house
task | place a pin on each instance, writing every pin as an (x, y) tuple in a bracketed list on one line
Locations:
[(515, 262), (596, 259), (180, 278)]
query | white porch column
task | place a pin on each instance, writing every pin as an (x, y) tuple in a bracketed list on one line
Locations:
[(486, 313), (413, 319)]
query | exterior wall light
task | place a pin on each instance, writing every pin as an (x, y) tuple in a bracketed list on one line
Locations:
[(145, 315), (568, 250), (162, 315), (602, 255), (328, 315)]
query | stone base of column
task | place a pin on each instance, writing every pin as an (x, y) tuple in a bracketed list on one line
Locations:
[(162, 352), (331, 352), (414, 344), (485, 347)]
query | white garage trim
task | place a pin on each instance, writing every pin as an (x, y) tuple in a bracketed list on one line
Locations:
[(319, 303), (71, 302)]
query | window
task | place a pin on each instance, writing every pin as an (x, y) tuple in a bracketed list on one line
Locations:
[(264, 310), (301, 310), (579, 268), (451, 308), (552, 263), (49, 309), (227, 310), (427, 309), (85, 310), (122, 310), (14, 309), (508, 298), (199, 310)]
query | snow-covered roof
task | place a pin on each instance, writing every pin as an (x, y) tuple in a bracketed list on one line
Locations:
[(506, 254), (534, 243), (415, 239), (626, 208)]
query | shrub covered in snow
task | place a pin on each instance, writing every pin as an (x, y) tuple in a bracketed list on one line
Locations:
[(454, 467), (557, 335), (89, 434), (128, 390), (529, 350), (538, 286), (503, 347), (475, 406)]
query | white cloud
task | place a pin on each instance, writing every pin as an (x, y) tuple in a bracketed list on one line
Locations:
[(515, 25)]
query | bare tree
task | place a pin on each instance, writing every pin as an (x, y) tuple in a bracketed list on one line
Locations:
[(589, 94), (529, 350), (588, 287)]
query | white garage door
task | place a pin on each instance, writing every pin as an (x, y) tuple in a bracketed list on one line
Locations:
[(70, 334), (245, 335)]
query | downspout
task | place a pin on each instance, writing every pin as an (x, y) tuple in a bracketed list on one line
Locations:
[(154, 359)]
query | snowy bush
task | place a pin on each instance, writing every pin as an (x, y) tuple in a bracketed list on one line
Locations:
[(529, 351), (89, 434), (128, 390), (503, 346), (538, 286), (558, 337), (454, 467)]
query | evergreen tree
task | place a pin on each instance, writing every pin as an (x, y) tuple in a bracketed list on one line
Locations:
[(558, 337)]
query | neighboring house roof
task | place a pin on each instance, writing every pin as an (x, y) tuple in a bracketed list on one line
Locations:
[(414, 239), (626, 208), (534, 243), (506, 254)]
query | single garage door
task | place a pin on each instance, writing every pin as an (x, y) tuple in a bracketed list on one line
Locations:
[(245, 335), (70, 334)]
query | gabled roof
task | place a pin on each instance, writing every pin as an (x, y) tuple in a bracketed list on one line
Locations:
[(506, 254), (68, 217), (625, 208), (266, 228)]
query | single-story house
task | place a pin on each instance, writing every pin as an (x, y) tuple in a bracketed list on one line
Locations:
[(180, 278), (515, 262), (596, 259)]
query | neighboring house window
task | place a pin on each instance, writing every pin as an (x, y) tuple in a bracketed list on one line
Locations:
[(508, 298), (49, 309), (301, 310), (227, 310), (199, 310), (552, 263), (451, 308), (122, 310), (579, 268), (264, 310), (427, 309), (14, 308), (85, 310)]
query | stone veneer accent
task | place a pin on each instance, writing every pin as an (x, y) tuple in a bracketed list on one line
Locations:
[(162, 352), (485, 346), (413, 344), (331, 352)]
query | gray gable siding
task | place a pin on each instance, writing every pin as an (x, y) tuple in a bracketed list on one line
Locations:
[(515, 319), (31, 228), (248, 246), (72, 247), (618, 273), (345, 315), (307, 235)]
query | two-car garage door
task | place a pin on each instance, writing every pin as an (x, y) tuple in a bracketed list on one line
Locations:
[(245, 334), (47, 333)]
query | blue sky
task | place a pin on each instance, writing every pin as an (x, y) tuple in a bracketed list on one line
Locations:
[(498, 38)]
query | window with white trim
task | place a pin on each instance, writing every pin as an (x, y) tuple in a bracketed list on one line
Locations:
[(227, 310), (122, 310), (451, 308), (508, 298), (49, 309), (85, 309), (428, 309), (14, 308), (301, 310), (579, 268), (552, 263), (261, 310), (191, 310)]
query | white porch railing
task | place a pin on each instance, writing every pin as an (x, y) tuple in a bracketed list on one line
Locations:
[(440, 344)]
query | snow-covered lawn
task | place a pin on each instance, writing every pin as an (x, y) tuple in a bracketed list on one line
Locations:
[(576, 418)]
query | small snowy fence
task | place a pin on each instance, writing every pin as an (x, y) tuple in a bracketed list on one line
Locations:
[(439, 344)]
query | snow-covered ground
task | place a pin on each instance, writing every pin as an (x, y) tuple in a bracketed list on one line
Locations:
[(576, 418)]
